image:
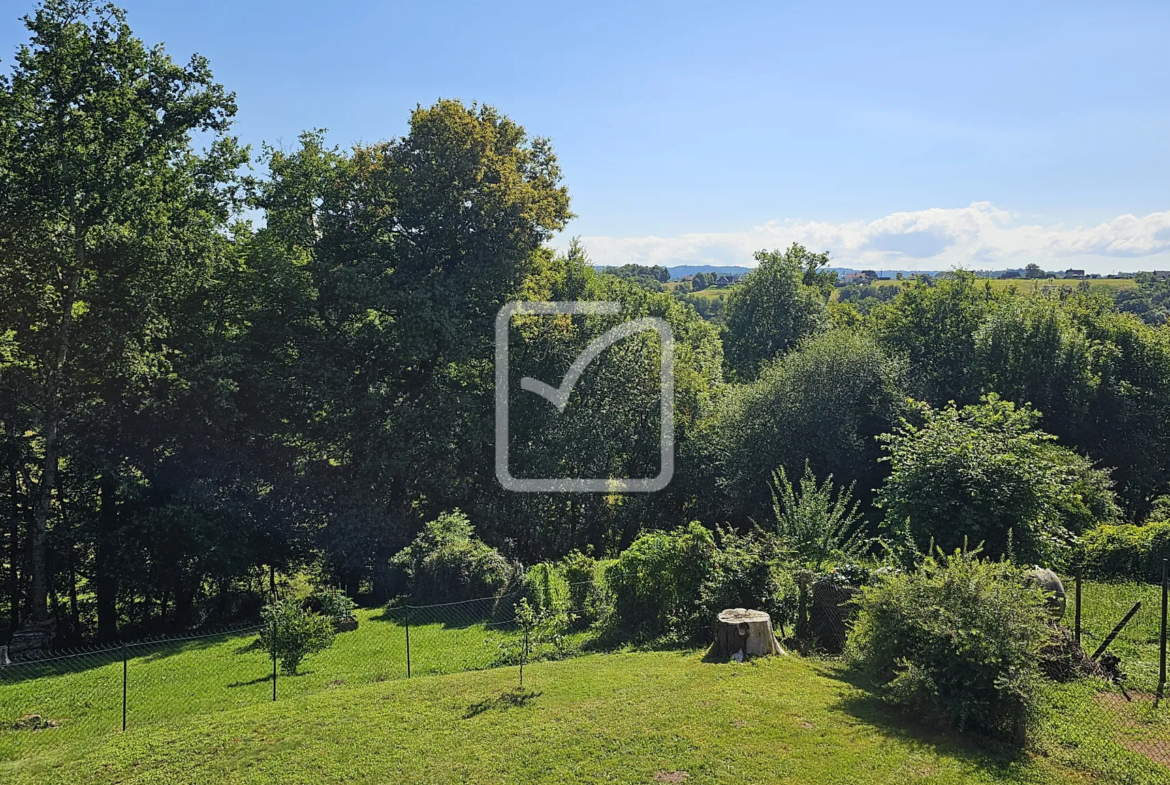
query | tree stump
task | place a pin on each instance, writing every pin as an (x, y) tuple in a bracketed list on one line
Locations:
[(740, 634)]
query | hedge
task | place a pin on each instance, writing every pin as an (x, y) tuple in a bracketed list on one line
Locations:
[(1126, 551)]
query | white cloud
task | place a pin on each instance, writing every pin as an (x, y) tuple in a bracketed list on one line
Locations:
[(979, 236)]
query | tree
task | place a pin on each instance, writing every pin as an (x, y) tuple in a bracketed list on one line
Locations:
[(290, 633), (778, 303), (412, 246), (822, 404), (983, 474), (934, 326), (102, 200), (1033, 271), (1030, 350)]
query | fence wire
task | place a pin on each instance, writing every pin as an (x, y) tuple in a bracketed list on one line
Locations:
[(97, 691)]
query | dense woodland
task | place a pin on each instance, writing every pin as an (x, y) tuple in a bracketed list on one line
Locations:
[(190, 401)]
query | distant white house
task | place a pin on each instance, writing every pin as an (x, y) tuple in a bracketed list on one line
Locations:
[(1074, 273)]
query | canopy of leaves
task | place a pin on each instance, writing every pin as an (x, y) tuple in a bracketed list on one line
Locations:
[(984, 474)]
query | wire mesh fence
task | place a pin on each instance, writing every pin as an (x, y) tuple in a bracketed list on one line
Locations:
[(1104, 715), (1112, 719), (93, 692)]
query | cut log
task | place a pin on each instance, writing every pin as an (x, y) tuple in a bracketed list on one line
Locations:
[(740, 634)]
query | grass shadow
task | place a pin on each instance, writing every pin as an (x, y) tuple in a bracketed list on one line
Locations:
[(252, 683), (995, 756), (505, 700)]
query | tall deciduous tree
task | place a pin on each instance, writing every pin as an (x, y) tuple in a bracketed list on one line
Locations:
[(778, 303), (104, 212)]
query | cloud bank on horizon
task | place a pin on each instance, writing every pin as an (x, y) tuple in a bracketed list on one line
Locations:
[(980, 236)]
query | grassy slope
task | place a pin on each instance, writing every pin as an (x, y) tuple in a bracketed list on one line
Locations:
[(599, 718), (170, 681)]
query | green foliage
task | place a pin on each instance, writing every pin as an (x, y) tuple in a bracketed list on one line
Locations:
[(1126, 551), (294, 633), (746, 572), (822, 404), (587, 596), (958, 639), (650, 276), (1160, 509), (447, 563), (1030, 350), (334, 603), (985, 474), (934, 326), (813, 526), (777, 304), (656, 582)]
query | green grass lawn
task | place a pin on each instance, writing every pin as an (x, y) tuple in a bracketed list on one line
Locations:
[(170, 681), (629, 717), (202, 710), (1103, 605)]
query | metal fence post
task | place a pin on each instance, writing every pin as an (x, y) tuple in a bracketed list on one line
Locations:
[(408, 641), (1077, 624), (1162, 642), (125, 669), (274, 644), (523, 655)]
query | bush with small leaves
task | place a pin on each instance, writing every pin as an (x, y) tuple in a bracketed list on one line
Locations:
[(334, 603), (294, 633), (656, 583), (957, 640)]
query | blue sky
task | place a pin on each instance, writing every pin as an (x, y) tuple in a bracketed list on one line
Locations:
[(918, 136)]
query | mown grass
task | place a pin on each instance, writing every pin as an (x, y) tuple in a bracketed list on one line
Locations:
[(188, 695), (627, 717), (1092, 726), (1103, 605), (170, 681)]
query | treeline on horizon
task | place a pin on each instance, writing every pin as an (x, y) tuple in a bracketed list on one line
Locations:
[(189, 402)]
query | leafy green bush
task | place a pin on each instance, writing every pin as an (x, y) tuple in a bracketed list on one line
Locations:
[(448, 563), (586, 587), (957, 640), (294, 632), (816, 528), (985, 474), (656, 582), (1126, 551), (334, 603), (745, 573), (546, 589)]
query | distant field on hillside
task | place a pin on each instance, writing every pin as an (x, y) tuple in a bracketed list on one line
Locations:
[(1025, 285), (998, 284)]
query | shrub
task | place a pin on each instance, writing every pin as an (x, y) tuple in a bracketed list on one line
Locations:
[(656, 582), (812, 525), (745, 573), (1126, 551), (298, 633), (586, 587), (985, 474), (956, 640), (334, 603), (546, 589), (447, 563)]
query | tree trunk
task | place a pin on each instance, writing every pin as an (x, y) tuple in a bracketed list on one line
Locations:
[(105, 580), (39, 590), (742, 633), (14, 550)]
